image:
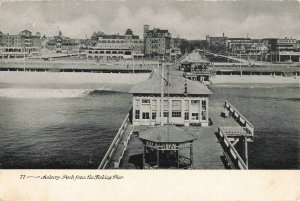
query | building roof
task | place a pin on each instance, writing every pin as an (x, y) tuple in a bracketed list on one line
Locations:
[(156, 32), (176, 86), (166, 133), (238, 38)]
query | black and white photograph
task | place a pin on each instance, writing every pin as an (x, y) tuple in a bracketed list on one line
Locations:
[(149, 86)]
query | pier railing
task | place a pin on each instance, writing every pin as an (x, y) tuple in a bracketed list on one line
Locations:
[(112, 148), (124, 149), (244, 123), (235, 161)]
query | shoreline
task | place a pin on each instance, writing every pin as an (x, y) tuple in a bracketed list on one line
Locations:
[(28, 77), (31, 77), (253, 79)]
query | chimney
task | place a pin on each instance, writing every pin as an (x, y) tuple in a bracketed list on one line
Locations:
[(185, 88), (146, 29)]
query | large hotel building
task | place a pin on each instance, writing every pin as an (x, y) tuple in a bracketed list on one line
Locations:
[(157, 42), (23, 44), (116, 47)]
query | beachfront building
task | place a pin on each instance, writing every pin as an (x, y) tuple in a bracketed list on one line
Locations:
[(282, 50), (116, 46), (258, 50), (238, 45), (157, 42), (62, 44), (216, 40), (185, 102), (20, 45)]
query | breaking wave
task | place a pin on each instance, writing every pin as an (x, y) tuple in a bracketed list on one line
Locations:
[(43, 93)]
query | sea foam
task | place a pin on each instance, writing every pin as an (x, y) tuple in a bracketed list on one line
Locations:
[(43, 93)]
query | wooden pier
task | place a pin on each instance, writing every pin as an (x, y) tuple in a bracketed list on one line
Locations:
[(221, 145)]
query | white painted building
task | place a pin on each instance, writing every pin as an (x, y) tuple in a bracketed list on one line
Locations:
[(117, 47), (185, 102)]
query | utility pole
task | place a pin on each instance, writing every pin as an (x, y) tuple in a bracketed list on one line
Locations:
[(168, 95), (241, 63), (162, 95), (132, 60), (24, 62)]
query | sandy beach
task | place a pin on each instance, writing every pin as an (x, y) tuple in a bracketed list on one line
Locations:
[(260, 79)]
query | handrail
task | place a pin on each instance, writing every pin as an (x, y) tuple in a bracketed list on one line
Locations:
[(235, 110), (234, 130), (125, 147), (114, 143), (231, 151), (239, 117)]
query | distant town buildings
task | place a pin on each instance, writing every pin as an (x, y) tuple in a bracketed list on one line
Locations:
[(157, 42), (238, 45), (175, 47), (282, 49), (216, 40), (23, 44), (115, 46)]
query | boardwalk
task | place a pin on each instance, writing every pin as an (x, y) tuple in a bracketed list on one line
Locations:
[(207, 150)]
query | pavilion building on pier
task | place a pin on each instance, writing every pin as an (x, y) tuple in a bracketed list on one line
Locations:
[(185, 102)]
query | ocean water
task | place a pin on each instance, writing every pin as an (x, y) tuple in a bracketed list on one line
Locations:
[(274, 110), (72, 126), (52, 126)]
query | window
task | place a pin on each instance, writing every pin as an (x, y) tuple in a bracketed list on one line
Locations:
[(154, 105), (204, 105), (176, 108), (146, 115), (153, 115), (193, 102), (137, 114), (203, 114), (145, 101), (186, 105), (137, 104), (186, 116), (166, 114), (176, 114), (176, 105), (166, 105), (195, 116)]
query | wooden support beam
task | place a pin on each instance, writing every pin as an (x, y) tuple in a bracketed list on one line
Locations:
[(246, 151), (177, 158), (144, 156), (157, 157), (191, 154)]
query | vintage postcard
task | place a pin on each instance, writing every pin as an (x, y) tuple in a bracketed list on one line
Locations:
[(167, 100)]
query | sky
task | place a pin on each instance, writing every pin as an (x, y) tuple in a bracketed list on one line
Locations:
[(187, 19)]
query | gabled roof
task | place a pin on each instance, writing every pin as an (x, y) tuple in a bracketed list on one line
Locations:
[(166, 134), (176, 86)]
